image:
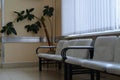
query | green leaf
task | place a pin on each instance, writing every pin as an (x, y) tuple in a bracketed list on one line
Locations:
[(8, 29), (3, 29), (30, 10), (10, 24), (27, 26), (13, 31), (25, 16), (20, 15), (21, 18), (22, 12), (32, 28), (46, 7), (27, 11), (38, 23), (17, 13), (30, 17), (48, 11), (9, 32)]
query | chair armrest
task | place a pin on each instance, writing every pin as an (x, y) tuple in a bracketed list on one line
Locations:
[(47, 46), (44, 47), (64, 50)]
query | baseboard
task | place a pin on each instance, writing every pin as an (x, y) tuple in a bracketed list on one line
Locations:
[(20, 65)]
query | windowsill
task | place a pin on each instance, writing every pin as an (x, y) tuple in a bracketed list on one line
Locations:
[(115, 32)]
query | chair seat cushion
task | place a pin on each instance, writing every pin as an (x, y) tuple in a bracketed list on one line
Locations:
[(51, 56), (114, 68), (74, 60), (56, 57), (96, 65), (44, 55)]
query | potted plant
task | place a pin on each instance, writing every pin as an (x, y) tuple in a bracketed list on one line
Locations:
[(34, 27)]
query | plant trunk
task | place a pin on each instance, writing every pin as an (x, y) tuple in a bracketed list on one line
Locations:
[(47, 36)]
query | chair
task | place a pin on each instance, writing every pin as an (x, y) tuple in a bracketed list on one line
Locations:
[(103, 53), (104, 46), (62, 44), (114, 67), (110, 65), (48, 56), (76, 53)]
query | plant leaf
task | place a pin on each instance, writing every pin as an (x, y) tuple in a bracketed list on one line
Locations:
[(17, 13), (3, 29), (8, 32), (30, 17), (9, 29), (30, 10), (13, 31), (20, 15), (48, 11), (22, 12), (27, 11), (38, 23)]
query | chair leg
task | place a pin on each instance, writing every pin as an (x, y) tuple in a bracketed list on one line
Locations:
[(47, 62), (97, 75), (40, 64), (65, 71), (69, 71), (92, 74), (59, 65)]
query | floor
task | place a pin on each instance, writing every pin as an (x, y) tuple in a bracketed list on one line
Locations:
[(32, 73)]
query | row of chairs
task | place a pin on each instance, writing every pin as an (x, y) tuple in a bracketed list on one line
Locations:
[(86, 56), (106, 58), (61, 45)]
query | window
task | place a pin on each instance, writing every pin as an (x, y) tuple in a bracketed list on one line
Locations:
[(88, 16)]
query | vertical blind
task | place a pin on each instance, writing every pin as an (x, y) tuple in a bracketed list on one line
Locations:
[(86, 16)]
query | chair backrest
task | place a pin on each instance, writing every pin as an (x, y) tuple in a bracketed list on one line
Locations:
[(81, 53), (104, 48), (71, 43), (60, 45), (64, 43), (117, 51)]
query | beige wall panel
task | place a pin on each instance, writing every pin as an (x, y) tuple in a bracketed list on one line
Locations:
[(20, 52), (58, 17)]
